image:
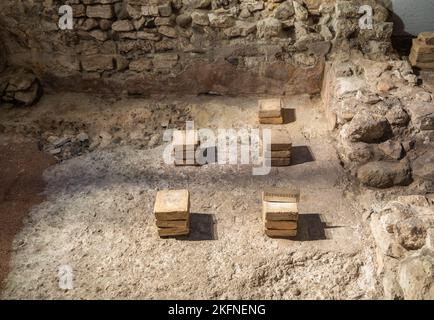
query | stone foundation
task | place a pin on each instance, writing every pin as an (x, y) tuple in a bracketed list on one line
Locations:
[(190, 46)]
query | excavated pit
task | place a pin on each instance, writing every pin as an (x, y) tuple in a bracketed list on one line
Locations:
[(84, 112), (98, 214)]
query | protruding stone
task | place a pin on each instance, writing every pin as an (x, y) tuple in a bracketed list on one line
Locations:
[(385, 174)]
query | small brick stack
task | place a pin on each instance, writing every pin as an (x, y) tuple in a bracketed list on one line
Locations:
[(185, 144), (422, 51), (279, 152), (172, 213), (280, 212), (270, 111)]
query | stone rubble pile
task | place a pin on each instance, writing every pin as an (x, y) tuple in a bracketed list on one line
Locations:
[(384, 121), (403, 230), (19, 86)]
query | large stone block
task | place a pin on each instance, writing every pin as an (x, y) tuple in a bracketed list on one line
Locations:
[(385, 174), (97, 62), (366, 127), (165, 60), (122, 25), (100, 11), (141, 65)]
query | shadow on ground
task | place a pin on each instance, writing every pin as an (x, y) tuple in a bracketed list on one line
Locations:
[(202, 227), (301, 154), (288, 116)]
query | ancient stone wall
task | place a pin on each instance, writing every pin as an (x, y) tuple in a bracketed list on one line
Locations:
[(188, 46), (384, 121)]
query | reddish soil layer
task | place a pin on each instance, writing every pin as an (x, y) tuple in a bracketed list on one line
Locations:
[(21, 168)]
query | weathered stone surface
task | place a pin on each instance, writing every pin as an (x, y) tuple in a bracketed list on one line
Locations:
[(319, 48), (78, 10), (301, 13), (29, 96), (99, 35), (411, 233), (349, 85), (423, 166), (284, 10), (105, 24), (200, 18), (366, 127), (89, 24), (346, 9), (150, 11), (200, 4), (100, 11), (385, 174), (97, 62), (268, 28), (416, 276), (122, 25), (168, 31), (21, 80), (416, 200), (355, 153), (423, 96), (184, 20), (397, 116), (20, 86), (165, 10), (121, 62), (392, 149), (141, 65), (165, 61), (220, 20), (422, 115)]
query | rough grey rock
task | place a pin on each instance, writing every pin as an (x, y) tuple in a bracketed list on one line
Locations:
[(385, 174)]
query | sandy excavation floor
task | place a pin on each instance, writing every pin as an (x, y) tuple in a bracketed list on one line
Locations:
[(98, 218)]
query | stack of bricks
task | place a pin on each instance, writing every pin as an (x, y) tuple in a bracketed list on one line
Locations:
[(172, 213), (270, 111), (422, 51), (280, 212), (278, 153), (185, 144)]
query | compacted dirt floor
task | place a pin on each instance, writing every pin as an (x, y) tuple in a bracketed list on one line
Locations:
[(21, 168), (97, 217)]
